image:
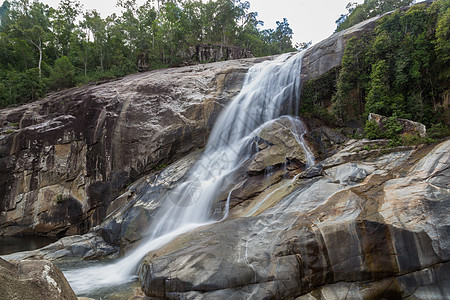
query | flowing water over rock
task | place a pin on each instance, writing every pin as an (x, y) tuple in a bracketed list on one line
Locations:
[(271, 89)]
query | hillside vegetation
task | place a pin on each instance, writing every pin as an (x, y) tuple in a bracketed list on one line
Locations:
[(401, 70), (46, 49)]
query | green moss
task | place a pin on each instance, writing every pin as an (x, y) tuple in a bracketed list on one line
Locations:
[(60, 199), (161, 167)]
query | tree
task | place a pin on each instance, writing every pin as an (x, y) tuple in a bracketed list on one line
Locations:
[(31, 23), (63, 23), (4, 14), (63, 73), (370, 8), (283, 36)]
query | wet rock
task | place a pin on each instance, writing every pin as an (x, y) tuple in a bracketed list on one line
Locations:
[(428, 283), (283, 147), (86, 247), (324, 141), (380, 222), (29, 280)]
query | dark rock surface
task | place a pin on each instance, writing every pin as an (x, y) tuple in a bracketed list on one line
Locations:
[(210, 53)]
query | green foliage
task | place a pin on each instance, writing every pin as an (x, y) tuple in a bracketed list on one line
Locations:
[(161, 167), (378, 99), (60, 199), (438, 131), (373, 131), (401, 70), (387, 130), (353, 79), (70, 47), (63, 74), (314, 95), (370, 8), (408, 139)]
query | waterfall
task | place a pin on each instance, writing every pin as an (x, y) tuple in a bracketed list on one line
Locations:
[(270, 89)]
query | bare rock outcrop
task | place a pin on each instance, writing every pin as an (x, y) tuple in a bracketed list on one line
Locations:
[(372, 226), (408, 126), (327, 54), (30, 280)]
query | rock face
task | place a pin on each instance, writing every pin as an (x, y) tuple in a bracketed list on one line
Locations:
[(328, 54), (278, 145), (204, 52), (64, 158), (372, 226), (30, 280)]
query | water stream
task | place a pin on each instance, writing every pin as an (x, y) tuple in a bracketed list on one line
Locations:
[(271, 89)]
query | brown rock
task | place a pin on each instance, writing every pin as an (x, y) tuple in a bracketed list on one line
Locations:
[(282, 146), (30, 280)]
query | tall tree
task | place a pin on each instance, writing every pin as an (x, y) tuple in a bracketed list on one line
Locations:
[(63, 23), (31, 23)]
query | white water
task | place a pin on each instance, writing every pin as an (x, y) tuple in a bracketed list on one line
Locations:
[(271, 89)]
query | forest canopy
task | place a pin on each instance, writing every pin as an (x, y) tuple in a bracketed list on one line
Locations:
[(45, 49)]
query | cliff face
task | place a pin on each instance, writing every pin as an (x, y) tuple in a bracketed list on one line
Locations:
[(64, 158), (328, 54)]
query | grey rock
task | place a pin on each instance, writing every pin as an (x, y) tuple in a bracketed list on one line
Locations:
[(380, 222)]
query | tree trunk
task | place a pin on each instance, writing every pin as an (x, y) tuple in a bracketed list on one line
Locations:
[(40, 58)]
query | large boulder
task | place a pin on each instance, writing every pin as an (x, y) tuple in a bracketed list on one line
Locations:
[(30, 280), (280, 142), (408, 126)]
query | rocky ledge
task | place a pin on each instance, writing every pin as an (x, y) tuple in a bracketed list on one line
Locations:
[(375, 224)]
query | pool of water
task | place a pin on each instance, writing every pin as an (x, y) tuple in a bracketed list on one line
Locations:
[(10, 245)]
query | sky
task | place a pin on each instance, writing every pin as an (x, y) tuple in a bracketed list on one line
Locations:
[(310, 20)]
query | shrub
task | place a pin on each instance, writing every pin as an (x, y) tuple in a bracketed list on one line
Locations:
[(438, 131)]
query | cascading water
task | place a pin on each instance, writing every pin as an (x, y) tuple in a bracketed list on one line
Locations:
[(271, 89)]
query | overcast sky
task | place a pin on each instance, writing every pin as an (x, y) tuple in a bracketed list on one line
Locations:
[(311, 20)]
